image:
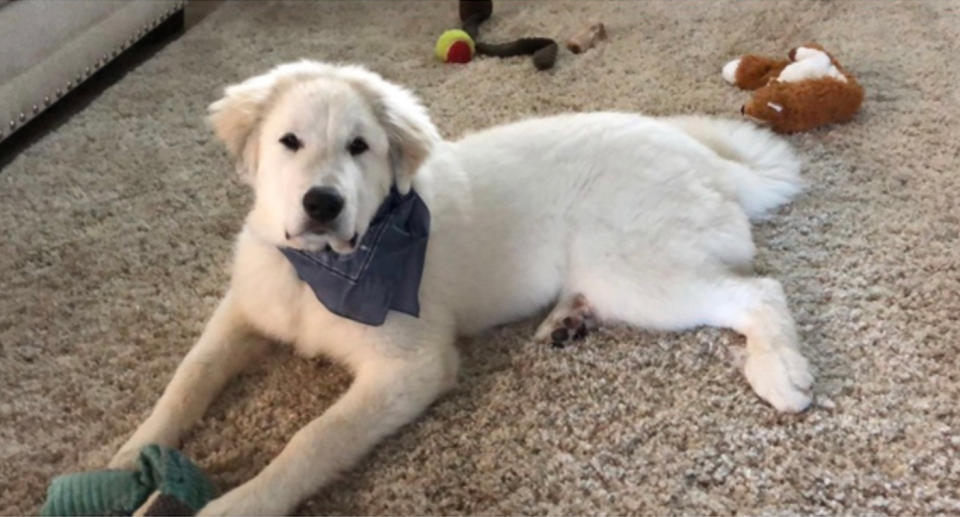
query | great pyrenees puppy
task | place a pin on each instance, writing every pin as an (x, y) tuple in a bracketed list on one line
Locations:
[(600, 217)]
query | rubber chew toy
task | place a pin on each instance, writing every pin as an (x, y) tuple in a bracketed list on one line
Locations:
[(165, 483), (809, 90), (587, 38), (453, 44)]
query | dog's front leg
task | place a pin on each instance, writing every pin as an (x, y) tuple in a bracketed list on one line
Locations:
[(226, 346), (383, 397)]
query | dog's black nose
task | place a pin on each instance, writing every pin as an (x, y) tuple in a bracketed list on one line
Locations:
[(322, 204)]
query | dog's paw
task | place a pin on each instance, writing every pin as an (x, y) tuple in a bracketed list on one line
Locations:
[(782, 378), (247, 500), (128, 455), (571, 319), (125, 458)]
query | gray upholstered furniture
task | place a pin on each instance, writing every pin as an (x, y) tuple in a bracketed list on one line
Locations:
[(51, 46)]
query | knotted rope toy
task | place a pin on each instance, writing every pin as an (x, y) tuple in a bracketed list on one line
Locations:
[(165, 483)]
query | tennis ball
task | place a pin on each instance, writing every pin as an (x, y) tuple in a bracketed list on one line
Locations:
[(454, 46)]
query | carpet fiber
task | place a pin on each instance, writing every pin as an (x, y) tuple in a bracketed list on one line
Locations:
[(117, 231)]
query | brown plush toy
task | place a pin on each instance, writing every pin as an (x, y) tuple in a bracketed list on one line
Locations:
[(808, 90)]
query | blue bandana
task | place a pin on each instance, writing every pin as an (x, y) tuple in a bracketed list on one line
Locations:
[(384, 271)]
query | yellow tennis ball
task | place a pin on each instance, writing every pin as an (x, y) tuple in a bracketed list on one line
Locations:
[(454, 46)]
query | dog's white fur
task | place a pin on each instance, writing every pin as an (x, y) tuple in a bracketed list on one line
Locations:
[(647, 219)]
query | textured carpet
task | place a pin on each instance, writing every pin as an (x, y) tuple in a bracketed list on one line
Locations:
[(117, 229)]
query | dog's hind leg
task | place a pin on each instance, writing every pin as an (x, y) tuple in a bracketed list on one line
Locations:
[(754, 307), (775, 368)]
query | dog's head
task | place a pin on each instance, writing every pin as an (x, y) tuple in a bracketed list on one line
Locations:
[(321, 145)]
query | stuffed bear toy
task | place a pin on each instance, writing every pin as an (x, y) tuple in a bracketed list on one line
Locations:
[(808, 90)]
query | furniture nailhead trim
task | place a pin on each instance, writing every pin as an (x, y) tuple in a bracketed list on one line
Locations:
[(104, 59)]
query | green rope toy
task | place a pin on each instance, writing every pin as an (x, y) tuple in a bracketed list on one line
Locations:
[(181, 488)]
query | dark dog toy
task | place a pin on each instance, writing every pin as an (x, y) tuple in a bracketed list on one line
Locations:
[(458, 46)]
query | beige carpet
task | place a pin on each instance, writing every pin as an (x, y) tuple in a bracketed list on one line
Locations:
[(117, 227)]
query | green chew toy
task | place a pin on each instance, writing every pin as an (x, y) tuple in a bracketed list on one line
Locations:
[(182, 488)]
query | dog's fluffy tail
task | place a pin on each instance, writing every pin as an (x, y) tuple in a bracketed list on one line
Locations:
[(768, 171)]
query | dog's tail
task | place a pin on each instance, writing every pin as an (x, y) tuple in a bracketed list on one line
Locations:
[(768, 174)]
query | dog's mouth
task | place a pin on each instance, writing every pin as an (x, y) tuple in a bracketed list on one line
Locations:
[(316, 239), (340, 247)]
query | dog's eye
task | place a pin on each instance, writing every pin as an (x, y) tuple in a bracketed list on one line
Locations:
[(357, 146), (290, 141)]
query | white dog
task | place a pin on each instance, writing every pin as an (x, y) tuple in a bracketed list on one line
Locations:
[(607, 216)]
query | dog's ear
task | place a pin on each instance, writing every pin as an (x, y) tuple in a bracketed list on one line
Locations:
[(236, 117), (410, 132)]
